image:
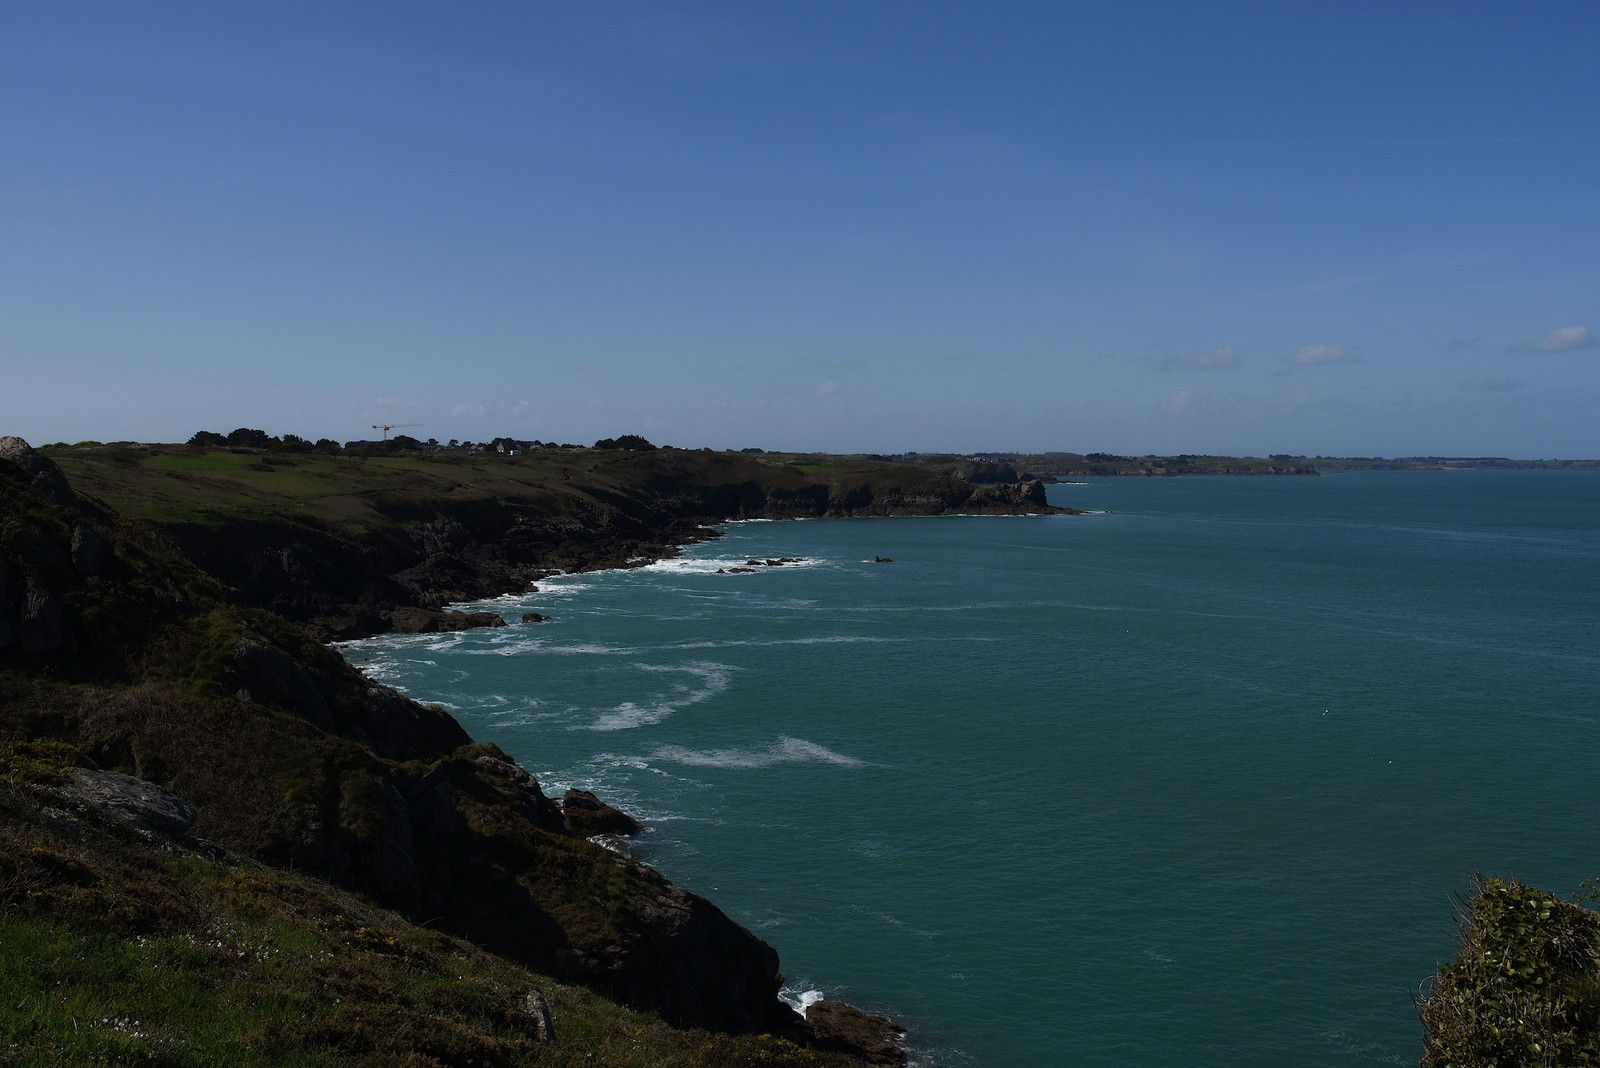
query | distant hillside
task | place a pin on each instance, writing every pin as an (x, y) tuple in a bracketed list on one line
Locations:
[(340, 540), (1008, 467)]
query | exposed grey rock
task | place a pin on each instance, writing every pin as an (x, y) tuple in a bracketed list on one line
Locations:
[(88, 552), (270, 673), (144, 804), (1032, 491), (521, 776), (534, 617), (47, 477), (535, 805), (39, 627), (534, 1005)]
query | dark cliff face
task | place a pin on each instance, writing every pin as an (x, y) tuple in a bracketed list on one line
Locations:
[(339, 546), (118, 645)]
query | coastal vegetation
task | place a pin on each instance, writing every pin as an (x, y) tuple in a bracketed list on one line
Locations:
[(1524, 987)]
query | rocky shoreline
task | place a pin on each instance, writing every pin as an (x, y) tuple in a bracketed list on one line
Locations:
[(222, 627), (401, 571)]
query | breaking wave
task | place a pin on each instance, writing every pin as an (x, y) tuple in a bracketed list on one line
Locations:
[(785, 751), (713, 680)]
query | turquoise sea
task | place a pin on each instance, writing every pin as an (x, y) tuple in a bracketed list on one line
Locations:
[(1191, 780)]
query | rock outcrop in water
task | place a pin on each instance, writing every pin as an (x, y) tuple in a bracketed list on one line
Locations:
[(587, 815)]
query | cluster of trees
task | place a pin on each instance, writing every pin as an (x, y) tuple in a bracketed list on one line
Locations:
[(246, 438), (628, 442)]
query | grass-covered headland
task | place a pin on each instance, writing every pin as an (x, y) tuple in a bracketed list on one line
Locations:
[(220, 844)]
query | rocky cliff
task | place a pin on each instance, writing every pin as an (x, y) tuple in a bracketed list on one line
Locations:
[(119, 648), (340, 544)]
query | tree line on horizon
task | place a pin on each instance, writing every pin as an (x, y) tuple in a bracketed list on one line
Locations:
[(248, 438)]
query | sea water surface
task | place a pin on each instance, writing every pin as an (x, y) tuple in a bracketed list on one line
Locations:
[(1188, 781)]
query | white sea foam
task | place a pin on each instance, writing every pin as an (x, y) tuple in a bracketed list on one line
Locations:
[(560, 586), (685, 565), (713, 678), (512, 645), (800, 999), (785, 751), (584, 649), (830, 639)]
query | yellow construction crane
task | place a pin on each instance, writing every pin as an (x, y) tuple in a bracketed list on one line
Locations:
[(386, 427)]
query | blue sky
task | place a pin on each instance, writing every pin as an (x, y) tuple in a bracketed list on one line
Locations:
[(1341, 229)]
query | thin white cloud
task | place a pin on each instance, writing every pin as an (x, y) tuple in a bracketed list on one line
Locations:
[(1223, 359), (1561, 339), (1317, 355), (1463, 344), (828, 389), (1179, 402), (1491, 383)]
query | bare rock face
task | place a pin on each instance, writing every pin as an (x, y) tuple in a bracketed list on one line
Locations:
[(40, 624), (270, 673), (8, 608), (88, 552), (534, 1005), (145, 805), (47, 477), (587, 815)]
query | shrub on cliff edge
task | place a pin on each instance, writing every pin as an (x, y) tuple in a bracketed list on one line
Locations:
[(1524, 988)]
